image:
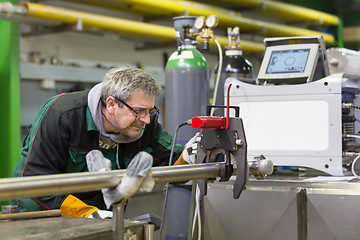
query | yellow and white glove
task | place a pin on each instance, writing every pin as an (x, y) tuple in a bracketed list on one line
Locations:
[(74, 207), (190, 151)]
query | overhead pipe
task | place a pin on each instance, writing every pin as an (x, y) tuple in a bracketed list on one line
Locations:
[(131, 28), (99, 22), (286, 11), (226, 17)]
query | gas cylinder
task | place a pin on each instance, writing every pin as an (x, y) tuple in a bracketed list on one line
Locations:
[(187, 80)]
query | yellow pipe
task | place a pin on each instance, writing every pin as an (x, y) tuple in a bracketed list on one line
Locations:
[(226, 18), (287, 11), (98, 22), (125, 27)]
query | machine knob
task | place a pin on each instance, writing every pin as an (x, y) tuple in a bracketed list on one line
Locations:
[(260, 167)]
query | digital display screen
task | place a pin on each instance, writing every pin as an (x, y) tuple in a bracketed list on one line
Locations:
[(288, 61)]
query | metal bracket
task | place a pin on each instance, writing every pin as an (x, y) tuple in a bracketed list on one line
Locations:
[(232, 141), (227, 170)]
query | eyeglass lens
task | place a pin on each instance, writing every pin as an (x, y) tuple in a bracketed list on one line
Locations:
[(143, 113)]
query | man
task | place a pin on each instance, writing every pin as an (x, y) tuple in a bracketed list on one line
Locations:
[(117, 117)]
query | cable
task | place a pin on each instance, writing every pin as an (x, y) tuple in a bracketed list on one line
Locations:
[(227, 106), (167, 184), (197, 214), (357, 157), (350, 105), (353, 166), (218, 75), (352, 136)]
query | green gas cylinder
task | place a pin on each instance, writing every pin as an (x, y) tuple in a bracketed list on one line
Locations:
[(187, 86)]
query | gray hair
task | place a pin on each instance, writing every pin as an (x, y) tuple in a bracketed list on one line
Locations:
[(122, 82)]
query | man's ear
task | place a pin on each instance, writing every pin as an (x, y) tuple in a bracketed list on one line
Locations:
[(111, 104)]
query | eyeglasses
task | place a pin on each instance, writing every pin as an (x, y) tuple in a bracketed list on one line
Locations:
[(140, 113)]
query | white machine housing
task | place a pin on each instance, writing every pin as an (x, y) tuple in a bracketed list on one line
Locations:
[(293, 114), (293, 125)]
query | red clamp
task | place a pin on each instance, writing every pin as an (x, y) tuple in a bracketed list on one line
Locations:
[(208, 122)]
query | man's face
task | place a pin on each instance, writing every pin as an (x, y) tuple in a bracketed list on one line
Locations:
[(126, 119)]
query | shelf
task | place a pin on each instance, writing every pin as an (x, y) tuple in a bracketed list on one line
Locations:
[(30, 71)]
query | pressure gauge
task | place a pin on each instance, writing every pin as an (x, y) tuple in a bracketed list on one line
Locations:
[(199, 22), (212, 21)]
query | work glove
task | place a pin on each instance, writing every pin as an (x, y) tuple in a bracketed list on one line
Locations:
[(190, 150), (102, 214), (138, 176), (96, 162)]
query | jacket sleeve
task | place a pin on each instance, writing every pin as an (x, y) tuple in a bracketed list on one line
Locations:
[(45, 150)]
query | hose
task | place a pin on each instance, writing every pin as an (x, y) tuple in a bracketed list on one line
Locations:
[(197, 215), (167, 184), (197, 201), (217, 80)]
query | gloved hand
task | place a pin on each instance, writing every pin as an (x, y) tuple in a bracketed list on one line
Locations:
[(96, 162), (102, 214), (137, 176), (148, 183), (190, 150)]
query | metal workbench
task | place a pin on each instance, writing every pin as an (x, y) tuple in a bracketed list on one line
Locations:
[(67, 228), (284, 208)]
